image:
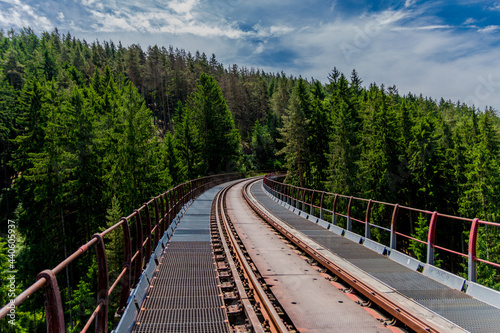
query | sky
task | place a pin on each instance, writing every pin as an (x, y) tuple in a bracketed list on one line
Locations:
[(440, 49)]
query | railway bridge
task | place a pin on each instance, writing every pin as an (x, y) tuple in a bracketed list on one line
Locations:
[(223, 254)]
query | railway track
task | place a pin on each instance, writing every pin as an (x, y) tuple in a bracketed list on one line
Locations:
[(250, 305), (249, 301), (397, 313)]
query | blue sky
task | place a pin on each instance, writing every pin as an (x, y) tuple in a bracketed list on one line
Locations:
[(448, 49)]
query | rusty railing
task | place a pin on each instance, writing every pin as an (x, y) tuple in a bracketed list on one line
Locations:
[(164, 207), (340, 206)]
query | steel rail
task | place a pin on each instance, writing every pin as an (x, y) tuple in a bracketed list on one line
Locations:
[(397, 311), (247, 305), (267, 309)]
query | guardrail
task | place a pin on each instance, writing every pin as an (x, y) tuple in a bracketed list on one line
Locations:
[(334, 207), (158, 213)]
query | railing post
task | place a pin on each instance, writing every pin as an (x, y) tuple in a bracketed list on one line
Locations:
[(430, 238), (139, 241), (162, 209), (157, 223), (349, 222), (167, 210), (311, 211), (367, 219), (393, 226), (321, 205), (289, 194), (148, 230), (127, 255), (178, 196), (297, 197), (304, 200), (101, 324), (334, 216), (54, 312), (473, 250)]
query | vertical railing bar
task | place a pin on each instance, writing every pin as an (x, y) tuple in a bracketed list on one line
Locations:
[(304, 200), (311, 210), (101, 321), (472, 264), (148, 229), (157, 223), (54, 312), (431, 238), (367, 219), (334, 215), (321, 213), (162, 209), (139, 242), (127, 255), (394, 226), (349, 222)]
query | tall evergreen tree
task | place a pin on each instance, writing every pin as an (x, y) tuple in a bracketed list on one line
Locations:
[(294, 133), (217, 135)]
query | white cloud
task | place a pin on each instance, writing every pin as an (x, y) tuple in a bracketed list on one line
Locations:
[(408, 3), (470, 21), (183, 7), (434, 60), (111, 23), (23, 15), (428, 27), (495, 6), (490, 28), (260, 48), (177, 17)]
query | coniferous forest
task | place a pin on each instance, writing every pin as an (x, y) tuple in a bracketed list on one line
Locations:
[(89, 131)]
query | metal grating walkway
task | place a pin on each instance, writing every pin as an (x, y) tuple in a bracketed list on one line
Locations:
[(458, 307), (185, 295)]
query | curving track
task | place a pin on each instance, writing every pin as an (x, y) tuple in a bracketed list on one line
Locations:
[(311, 301), (270, 277)]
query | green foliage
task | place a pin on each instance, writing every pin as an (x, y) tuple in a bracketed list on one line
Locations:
[(83, 301), (263, 147), (90, 131), (419, 250), (294, 134), (216, 135)]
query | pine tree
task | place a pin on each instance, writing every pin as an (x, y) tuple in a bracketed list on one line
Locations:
[(13, 69), (263, 147), (318, 144), (344, 141), (188, 146), (173, 162), (294, 133), (217, 135)]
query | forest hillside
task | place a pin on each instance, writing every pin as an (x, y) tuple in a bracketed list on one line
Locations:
[(90, 130)]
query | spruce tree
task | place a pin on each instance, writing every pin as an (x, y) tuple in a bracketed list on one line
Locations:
[(294, 135), (217, 136)]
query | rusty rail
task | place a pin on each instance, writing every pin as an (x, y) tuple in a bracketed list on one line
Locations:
[(169, 204), (272, 318), (412, 321)]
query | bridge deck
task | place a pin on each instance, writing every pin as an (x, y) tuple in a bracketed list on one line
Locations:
[(186, 281), (458, 307)]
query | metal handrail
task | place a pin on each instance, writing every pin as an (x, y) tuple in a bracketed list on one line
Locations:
[(294, 194), (169, 203)]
